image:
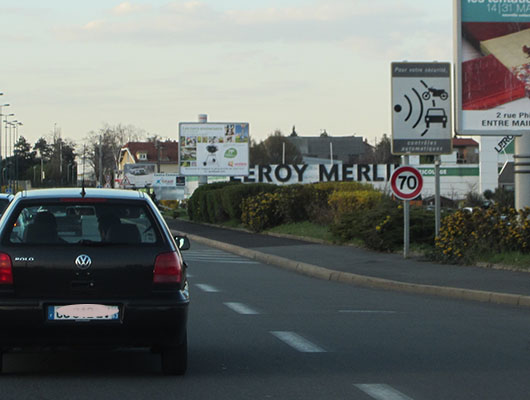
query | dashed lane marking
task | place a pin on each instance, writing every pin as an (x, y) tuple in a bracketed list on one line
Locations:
[(298, 342), (366, 312), (241, 308), (206, 288), (216, 256), (381, 391)]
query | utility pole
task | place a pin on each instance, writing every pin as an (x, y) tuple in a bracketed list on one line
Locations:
[(100, 162), (157, 145)]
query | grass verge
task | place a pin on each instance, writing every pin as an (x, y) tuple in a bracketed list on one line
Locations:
[(316, 231), (512, 259), (305, 229)]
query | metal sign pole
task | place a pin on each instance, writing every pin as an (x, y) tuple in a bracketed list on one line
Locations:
[(406, 220), (437, 200)]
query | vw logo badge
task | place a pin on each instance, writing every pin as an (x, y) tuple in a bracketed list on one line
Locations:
[(83, 261)]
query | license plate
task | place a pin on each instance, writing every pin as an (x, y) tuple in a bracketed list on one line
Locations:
[(83, 312)]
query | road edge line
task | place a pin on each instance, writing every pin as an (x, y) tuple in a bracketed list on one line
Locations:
[(368, 281)]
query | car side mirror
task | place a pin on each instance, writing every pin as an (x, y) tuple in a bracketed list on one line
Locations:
[(183, 242)]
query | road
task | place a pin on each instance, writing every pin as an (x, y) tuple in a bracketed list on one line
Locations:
[(259, 332)]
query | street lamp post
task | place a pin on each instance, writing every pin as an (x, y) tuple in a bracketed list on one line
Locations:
[(74, 174), (5, 178), (41, 167), (68, 174), (1, 115), (9, 129), (17, 124)]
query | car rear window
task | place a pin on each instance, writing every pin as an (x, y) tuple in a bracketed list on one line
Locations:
[(84, 223), (3, 205)]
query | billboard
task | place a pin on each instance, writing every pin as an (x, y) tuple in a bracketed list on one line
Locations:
[(215, 149), (421, 108), (492, 67), (168, 180), (138, 175)]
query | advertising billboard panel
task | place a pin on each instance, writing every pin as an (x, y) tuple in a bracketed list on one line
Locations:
[(492, 67), (138, 175), (215, 149)]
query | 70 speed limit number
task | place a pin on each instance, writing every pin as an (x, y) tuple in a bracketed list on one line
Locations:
[(406, 182)]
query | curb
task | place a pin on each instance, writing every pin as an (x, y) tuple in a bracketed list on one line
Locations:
[(327, 274)]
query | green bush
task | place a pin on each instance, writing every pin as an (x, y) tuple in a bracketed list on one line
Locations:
[(380, 226), (197, 203), (292, 203), (233, 195), (214, 206), (318, 209)]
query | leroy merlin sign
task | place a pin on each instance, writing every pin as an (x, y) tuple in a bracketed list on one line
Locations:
[(369, 173)]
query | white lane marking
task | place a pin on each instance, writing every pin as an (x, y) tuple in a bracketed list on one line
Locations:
[(218, 256), (367, 312), (222, 261), (298, 342), (206, 288), (241, 308), (382, 392)]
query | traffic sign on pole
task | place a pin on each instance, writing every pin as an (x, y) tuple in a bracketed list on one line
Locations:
[(421, 108), (406, 183)]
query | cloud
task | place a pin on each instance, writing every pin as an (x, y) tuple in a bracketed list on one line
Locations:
[(26, 11), (354, 23), (129, 8)]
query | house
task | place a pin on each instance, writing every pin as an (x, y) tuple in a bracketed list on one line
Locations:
[(318, 149), (467, 151), (164, 155)]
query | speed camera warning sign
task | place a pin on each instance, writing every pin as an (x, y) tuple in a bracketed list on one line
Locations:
[(421, 108), (406, 183)]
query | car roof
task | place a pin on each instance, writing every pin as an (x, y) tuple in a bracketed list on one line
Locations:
[(6, 196), (90, 193)]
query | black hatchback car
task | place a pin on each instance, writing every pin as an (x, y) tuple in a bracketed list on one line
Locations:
[(94, 267)]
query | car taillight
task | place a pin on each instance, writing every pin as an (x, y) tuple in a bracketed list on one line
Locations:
[(6, 270), (167, 268)]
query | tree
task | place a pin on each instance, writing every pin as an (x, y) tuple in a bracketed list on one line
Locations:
[(57, 156), (383, 152), (107, 143), (42, 147), (270, 151), (24, 159)]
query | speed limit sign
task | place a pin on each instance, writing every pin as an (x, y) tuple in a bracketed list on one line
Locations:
[(406, 183)]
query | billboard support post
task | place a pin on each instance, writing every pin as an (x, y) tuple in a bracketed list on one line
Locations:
[(522, 171), (203, 179)]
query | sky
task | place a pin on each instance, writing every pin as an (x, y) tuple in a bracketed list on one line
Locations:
[(314, 64)]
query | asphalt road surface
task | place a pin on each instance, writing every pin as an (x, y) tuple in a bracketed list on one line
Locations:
[(259, 332)]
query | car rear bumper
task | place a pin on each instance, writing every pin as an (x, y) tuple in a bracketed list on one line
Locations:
[(141, 323)]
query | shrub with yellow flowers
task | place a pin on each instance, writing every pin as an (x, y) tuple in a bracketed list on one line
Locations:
[(261, 211), (342, 202), (466, 235)]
